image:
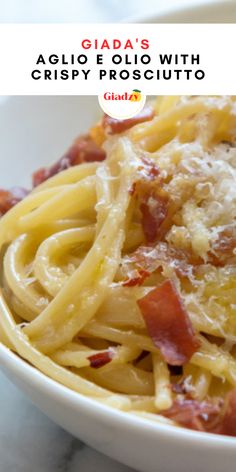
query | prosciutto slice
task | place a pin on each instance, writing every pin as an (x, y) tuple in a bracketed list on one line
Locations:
[(154, 209), (101, 358), (168, 323), (115, 126), (84, 149), (228, 423), (153, 199), (213, 416), (9, 198), (193, 414)]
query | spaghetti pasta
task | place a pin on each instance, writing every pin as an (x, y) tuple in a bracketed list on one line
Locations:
[(119, 273)]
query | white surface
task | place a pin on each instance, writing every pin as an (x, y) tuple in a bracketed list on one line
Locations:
[(28, 440), (50, 11), (36, 131)]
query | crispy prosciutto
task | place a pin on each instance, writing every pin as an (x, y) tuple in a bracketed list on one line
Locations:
[(168, 323), (149, 259), (154, 209), (228, 424), (222, 250), (101, 358), (153, 199), (149, 171), (213, 416), (136, 278), (9, 198), (192, 414), (184, 386), (146, 260), (115, 126), (84, 149)]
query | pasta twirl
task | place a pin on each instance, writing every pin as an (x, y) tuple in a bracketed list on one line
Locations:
[(119, 273)]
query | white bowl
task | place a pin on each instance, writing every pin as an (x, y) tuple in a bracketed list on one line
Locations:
[(137, 442), (198, 11), (35, 131)]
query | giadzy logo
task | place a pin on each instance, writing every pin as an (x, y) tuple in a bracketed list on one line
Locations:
[(134, 96), (122, 105)]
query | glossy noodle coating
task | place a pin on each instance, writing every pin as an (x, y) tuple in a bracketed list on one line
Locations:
[(119, 267)]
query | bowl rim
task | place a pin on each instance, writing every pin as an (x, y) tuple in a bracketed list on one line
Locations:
[(11, 362), (168, 13)]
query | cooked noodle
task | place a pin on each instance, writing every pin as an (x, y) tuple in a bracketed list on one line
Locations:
[(73, 253)]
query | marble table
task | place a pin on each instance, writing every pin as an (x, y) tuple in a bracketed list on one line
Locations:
[(29, 441)]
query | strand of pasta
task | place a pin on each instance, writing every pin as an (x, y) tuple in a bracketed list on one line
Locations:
[(96, 329), (105, 195), (91, 263), (43, 363), (79, 358), (9, 223), (142, 403), (209, 356), (202, 383), (119, 302), (150, 132), (180, 112), (16, 278), (67, 202), (88, 301), (214, 359), (124, 378), (18, 308), (17, 270), (163, 397), (50, 276), (163, 104), (69, 176)]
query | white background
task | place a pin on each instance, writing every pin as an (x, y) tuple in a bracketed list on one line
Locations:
[(41, 11), (21, 45)]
